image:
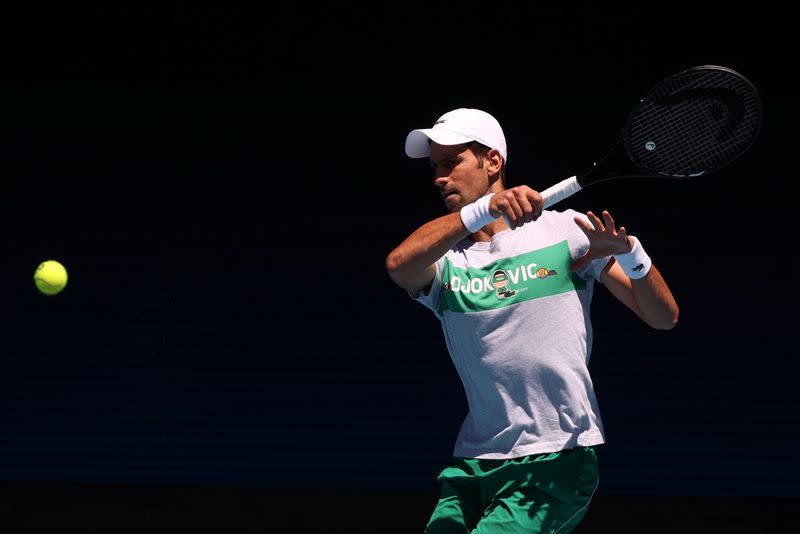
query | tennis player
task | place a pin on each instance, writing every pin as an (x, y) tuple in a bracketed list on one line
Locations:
[(512, 285)]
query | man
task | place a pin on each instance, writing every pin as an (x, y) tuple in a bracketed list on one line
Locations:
[(512, 285)]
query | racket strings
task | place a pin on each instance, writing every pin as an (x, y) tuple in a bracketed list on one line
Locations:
[(694, 123), (690, 146), (689, 142)]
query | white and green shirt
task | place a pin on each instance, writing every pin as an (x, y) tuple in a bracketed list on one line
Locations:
[(516, 323)]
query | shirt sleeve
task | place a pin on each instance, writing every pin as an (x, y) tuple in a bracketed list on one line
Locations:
[(432, 297)]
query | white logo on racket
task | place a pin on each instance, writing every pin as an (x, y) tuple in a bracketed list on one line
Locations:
[(650, 145)]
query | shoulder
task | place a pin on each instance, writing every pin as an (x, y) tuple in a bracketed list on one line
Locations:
[(562, 225), (567, 214), (551, 226), (564, 220)]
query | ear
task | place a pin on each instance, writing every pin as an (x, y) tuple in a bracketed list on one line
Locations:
[(494, 162)]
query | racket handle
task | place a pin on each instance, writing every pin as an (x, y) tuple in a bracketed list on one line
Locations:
[(560, 191)]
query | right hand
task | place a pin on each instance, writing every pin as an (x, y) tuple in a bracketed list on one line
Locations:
[(518, 205)]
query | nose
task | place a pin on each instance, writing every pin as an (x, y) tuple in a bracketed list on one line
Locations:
[(440, 181)]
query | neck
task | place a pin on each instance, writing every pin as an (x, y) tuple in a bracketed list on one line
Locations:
[(487, 232)]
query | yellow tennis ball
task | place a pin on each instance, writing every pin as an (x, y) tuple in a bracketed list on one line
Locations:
[(50, 277)]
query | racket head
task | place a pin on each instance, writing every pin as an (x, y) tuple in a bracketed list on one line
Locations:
[(694, 123)]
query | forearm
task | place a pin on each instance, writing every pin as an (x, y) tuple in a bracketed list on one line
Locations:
[(635, 281), (654, 300), (409, 264)]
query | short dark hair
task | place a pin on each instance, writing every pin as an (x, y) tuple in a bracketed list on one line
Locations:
[(480, 150)]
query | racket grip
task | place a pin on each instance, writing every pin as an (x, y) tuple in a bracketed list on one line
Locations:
[(560, 191)]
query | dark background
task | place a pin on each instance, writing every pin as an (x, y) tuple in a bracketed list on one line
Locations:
[(223, 187)]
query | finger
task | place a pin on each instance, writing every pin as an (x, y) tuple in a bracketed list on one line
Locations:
[(585, 226), (609, 221), (528, 212), (624, 235), (535, 199), (502, 205), (598, 224), (515, 212)]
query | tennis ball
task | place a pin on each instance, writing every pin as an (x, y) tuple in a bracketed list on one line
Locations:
[(50, 277)]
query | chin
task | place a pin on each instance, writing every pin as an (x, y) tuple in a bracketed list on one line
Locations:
[(453, 205)]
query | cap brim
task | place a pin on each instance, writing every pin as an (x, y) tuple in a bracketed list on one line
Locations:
[(418, 146)]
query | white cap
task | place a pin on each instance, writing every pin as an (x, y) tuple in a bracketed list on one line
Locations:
[(458, 127)]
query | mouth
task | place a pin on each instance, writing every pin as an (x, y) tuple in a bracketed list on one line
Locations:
[(448, 194)]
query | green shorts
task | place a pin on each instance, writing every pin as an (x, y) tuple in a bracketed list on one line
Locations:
[(533, 494)]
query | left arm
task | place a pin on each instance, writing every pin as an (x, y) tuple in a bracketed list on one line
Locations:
[(648, 297)]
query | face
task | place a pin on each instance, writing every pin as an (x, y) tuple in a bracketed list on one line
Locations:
[(458, 175)]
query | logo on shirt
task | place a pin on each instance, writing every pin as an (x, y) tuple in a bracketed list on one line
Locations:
[(509, 280), (500, 284)]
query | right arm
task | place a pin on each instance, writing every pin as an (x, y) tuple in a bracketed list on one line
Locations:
[(412, 265)]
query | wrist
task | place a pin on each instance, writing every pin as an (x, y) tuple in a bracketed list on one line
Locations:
[(477, 215), (635, 263)]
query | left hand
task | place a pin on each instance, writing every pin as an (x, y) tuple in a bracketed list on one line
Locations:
[(604, 239)]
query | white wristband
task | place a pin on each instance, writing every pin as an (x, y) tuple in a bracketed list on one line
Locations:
[(635, 263), (476, 215)]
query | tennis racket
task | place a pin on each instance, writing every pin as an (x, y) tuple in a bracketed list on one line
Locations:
[(691, 124)]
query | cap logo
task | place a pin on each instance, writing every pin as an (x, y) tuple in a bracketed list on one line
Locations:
[(439, 122)]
